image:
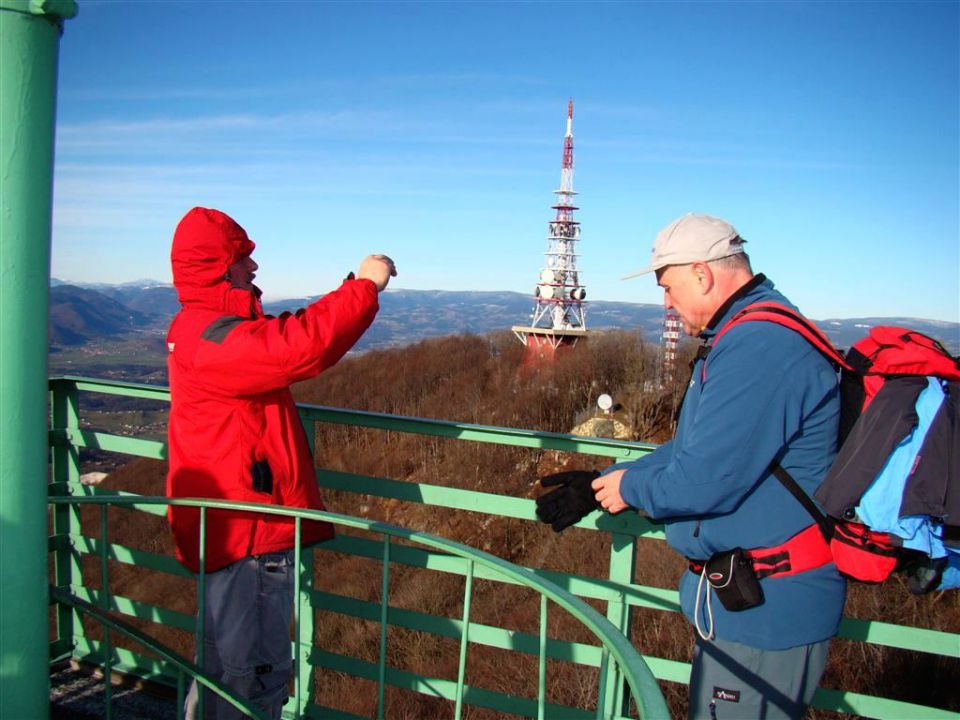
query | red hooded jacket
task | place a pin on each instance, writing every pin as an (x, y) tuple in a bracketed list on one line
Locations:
[(234, 432)]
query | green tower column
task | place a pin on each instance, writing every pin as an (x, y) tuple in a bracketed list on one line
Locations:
[(29, 43)]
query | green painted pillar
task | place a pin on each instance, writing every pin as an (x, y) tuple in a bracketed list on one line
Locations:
[(29, 42)]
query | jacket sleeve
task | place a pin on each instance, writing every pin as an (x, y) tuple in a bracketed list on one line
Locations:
[(761, 382), (654, 460), (255, 356)]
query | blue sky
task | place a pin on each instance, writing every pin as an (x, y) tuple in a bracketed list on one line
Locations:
[(827, 133)]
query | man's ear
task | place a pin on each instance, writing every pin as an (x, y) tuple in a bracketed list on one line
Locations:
[(703, 276)]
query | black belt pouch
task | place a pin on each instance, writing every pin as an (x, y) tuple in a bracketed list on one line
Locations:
[(731, 576)]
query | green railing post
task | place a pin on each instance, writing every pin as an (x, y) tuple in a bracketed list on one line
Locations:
[(105, 598), (384, 622), (302, 623), (65, 477), (305, 684), (623, 563), (464, 639), (29, 47), (542, 662)]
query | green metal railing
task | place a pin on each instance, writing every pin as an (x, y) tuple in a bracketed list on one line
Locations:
[(473, 564), (618, 590)]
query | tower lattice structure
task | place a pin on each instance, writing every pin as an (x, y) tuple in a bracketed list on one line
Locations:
[(559, 317), (670, 339)]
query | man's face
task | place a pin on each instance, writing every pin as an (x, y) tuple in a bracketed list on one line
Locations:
[(683, 292), (241, 273)]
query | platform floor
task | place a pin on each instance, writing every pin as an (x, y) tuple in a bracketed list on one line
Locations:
[(77, 694)]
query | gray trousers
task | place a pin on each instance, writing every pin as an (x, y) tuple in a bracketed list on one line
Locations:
[(730, 681), (246, 642)]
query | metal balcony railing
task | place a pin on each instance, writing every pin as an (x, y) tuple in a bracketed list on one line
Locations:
[(619, 674)]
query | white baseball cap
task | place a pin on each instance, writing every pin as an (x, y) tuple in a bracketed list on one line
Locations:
[(693, 238)]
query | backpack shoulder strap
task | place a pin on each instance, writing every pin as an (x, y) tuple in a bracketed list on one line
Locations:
[(789, 318), (786, 479)]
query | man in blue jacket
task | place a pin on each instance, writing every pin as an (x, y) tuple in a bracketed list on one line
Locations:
[(762, 592)]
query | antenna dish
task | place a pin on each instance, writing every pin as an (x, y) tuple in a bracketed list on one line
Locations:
[(604, 402), (547, 276), (546, 291)]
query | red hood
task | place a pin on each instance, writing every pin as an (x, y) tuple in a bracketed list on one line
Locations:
[(205, 244)]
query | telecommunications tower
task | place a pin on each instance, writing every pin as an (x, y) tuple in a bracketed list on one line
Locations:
[(558, 316), (670, 338)]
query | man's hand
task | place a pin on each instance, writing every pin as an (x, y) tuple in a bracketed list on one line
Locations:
[(607, 489), (570, 501), (379, 269)]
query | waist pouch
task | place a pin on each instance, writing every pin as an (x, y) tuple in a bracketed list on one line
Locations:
[(732, 577), (861, 553)]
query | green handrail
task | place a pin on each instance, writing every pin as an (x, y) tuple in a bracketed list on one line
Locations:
[(618, 590), (646, 692), (184, 666)]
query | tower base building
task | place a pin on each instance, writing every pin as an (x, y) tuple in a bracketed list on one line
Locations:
[(543, 345)]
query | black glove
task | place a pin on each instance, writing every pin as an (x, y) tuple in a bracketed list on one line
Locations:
[(572, 500)]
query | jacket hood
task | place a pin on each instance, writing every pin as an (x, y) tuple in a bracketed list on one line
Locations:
[(205, 244)]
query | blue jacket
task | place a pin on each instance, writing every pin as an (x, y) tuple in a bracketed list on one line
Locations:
[(767, 395), (880, 506)]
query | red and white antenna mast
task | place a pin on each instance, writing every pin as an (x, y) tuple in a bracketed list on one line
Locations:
[(670, 339), (558, 318)]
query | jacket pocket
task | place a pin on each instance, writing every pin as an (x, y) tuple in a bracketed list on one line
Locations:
[(262, 477)]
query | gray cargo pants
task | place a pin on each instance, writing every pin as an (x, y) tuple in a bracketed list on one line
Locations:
[(730, 681), (247, 635)]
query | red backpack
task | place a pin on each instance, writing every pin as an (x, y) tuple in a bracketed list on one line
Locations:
[(858, 552)]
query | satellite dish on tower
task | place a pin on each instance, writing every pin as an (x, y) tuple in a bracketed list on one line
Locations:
[(604, 402)]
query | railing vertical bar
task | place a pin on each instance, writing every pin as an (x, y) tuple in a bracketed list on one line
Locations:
[(542, 662), (105, 597), (180, 694), (623, 563), (65, 468), (201, 607), (305, 569), (297, 682), (464, 637), (601, 686), (384, 604), (307, 621)]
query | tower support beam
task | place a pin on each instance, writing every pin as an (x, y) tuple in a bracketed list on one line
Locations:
[(29, 49)]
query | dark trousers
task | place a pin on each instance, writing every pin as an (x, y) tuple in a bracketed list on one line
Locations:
[(730, 681), (246, 642)]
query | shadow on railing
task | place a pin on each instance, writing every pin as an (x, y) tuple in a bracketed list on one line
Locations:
[(619, 591)]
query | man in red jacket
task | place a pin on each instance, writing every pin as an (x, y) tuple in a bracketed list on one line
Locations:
[(234, 434)]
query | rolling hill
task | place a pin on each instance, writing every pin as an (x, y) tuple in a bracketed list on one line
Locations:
[(81, 314)]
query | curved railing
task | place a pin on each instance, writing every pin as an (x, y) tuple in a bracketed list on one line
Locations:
[(645, 691), (618, 589)]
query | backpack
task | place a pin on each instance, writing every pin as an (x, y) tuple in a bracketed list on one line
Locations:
[(896, 454)]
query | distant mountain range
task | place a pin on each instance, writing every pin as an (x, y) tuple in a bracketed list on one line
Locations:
[(78, 315), (84, 312)]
